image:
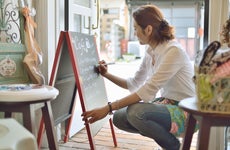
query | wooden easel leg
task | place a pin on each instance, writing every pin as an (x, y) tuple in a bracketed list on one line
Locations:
[(40, 133), (113, 133), (66, 137), (91, 141)]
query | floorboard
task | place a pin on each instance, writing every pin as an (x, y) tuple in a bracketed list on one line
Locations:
[(103, 141)]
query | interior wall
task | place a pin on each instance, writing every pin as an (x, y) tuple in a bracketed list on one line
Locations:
[(218, 14), (45, 33)]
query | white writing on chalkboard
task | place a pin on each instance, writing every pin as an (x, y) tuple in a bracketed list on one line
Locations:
[(87, 57), (83, 45)]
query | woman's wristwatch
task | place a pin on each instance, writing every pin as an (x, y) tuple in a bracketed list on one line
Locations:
[(110, 108)]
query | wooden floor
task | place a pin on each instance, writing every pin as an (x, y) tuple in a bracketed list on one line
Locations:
[(103, 141)]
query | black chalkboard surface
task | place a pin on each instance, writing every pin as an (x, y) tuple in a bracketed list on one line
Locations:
[(91, 83)]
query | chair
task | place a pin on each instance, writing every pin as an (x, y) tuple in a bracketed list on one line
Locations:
[(205, 119)]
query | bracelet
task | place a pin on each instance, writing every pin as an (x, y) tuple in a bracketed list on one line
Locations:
[(110, 108)]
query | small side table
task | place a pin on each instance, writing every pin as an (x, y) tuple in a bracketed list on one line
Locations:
[(22, 97), (205, 119)]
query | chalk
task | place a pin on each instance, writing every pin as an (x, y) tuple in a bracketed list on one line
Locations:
[(110, 63)]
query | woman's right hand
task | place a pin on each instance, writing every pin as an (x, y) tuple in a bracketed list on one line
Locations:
[(102, 68)]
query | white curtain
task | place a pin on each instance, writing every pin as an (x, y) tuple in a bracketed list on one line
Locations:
[(218, 14)]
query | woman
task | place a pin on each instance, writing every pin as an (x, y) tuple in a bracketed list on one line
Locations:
[(165, 67)]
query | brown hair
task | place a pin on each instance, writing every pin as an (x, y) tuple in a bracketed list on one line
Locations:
[(151, 15)]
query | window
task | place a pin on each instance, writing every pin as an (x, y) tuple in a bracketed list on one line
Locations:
[(186, 17)]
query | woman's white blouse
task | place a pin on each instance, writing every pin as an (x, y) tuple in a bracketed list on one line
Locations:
[(166, 68)]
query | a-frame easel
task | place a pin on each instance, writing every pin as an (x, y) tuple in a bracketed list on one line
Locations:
[(65, 37)]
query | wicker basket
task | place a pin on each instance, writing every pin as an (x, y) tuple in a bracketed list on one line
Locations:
[(213, 97)]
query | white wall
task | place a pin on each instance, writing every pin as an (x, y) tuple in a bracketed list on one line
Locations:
[(45, 32), (218, 15)]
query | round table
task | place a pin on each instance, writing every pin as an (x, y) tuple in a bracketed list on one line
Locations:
[(205, 120), (22, 97)]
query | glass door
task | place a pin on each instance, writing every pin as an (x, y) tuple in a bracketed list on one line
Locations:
[(77, 16)]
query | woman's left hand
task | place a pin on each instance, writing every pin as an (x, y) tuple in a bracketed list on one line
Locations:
[(95, 114)]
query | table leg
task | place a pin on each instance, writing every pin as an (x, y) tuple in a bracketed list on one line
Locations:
[(191, 123), (204, 132), (28, 118), (7, 114), (49, 126)]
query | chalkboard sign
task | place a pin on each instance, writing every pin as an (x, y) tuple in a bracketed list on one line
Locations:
[(91, 83), (65, 83), (74, 73), (63, 78)]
